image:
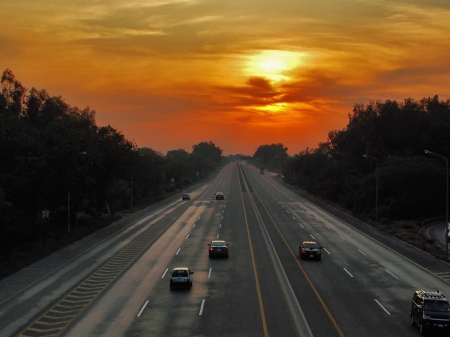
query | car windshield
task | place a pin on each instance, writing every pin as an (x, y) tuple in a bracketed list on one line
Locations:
[(217, 244), (311, 245), (180, 273), (436, 306)]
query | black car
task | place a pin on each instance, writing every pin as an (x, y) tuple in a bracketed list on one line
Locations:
[(310, 250), (430, 311), (218, 248), (220, 196)]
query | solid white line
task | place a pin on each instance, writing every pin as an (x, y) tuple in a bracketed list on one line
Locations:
[(348, 272), (392, 274), (142, 309), (201, 308), (382, 307), (178, 251), (210, 271), (165, 272), (362, 252)]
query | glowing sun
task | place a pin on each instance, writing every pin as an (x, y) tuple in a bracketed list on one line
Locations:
[(272, 64)]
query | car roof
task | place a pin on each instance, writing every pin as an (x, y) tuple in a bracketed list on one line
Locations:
[(219, 193), (310, 242), (181, 268), (218, 241)]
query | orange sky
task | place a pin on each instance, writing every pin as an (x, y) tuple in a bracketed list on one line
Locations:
[(169, 74)]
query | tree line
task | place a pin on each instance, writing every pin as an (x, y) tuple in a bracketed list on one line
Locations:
[(56, 162), (383, 145)]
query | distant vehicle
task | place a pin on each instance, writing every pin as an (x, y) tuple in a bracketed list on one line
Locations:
[(181, 277), (430, 310), (261, 171), (218, 248), (310, 250), (186, 196), (220, 196)]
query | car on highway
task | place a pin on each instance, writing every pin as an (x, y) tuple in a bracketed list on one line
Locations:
[(181, 277), (430, 311), (186, 196), (218, 248), (220, 196), (310, 250)]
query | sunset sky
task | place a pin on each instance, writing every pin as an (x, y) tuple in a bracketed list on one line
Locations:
[(169, 74)]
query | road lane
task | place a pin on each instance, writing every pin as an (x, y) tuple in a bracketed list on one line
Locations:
[(352, 294), (360, 288)]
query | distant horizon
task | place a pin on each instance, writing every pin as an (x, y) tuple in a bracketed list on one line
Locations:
[(173, 73)]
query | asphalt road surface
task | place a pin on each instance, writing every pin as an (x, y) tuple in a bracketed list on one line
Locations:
[(116, 282)]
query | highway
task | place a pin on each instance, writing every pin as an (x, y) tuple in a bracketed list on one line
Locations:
[(116, 282)]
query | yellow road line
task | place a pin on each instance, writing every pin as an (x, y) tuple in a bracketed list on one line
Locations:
[(255, 272), (330, 316)]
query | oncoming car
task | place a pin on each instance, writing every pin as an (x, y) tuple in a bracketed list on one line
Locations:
[(310, 250), (218, 248), (181, 277), (220, 196), (186, 196)]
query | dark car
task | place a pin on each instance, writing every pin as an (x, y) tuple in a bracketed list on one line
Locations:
[(186, 196), (181, 277), (430, 311), (310, 250), (220, 196), (218, 248)]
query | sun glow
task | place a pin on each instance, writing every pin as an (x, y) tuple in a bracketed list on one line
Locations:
[(273, 64)]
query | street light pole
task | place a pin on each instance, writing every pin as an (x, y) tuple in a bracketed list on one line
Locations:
[(69, 229), (68, 213), (376, 188), (446, 199)]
